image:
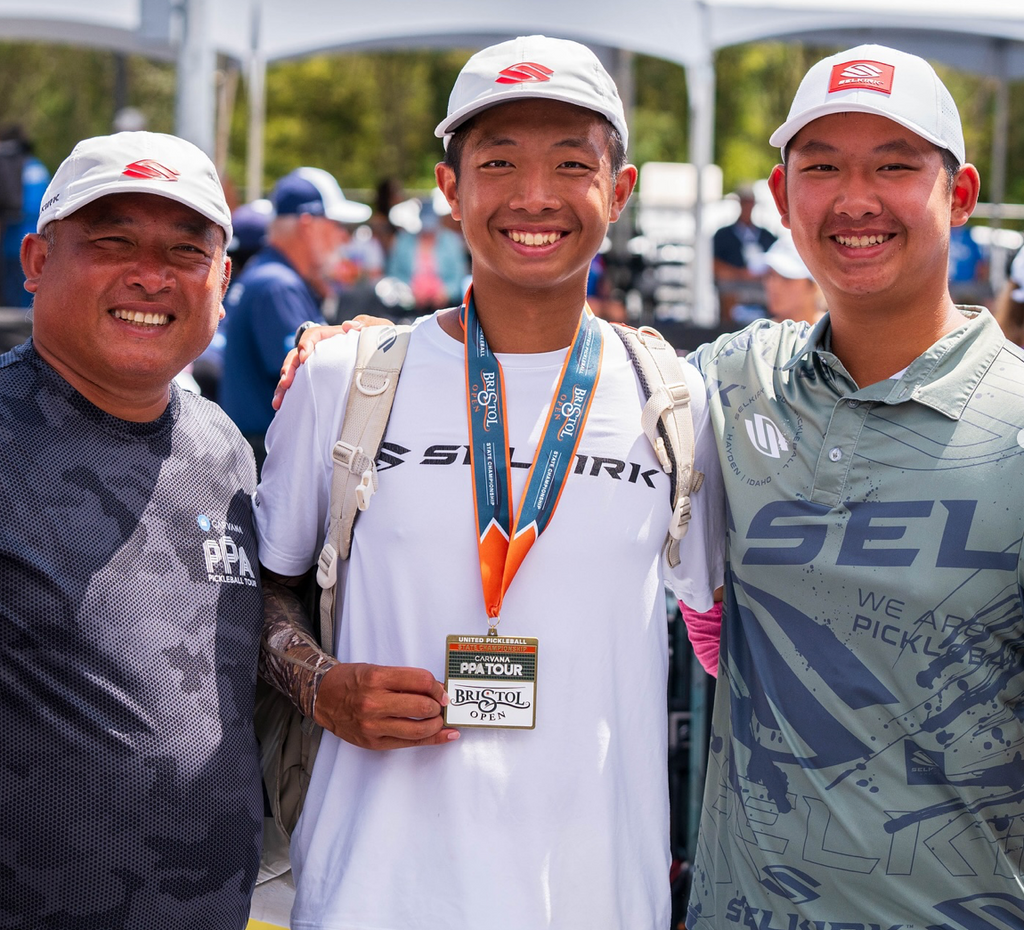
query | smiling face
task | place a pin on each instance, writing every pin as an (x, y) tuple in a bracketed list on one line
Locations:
[(870, 206), (128, 291), (535, 194)]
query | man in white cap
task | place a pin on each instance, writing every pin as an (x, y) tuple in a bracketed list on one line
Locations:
[(790, 291), (866, 767), (561, 821), (130, 604), (283, 285)]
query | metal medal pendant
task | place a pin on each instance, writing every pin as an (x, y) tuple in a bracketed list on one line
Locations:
[(491, 681)]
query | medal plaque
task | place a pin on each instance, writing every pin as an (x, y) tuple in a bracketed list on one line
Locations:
[(491, 681)]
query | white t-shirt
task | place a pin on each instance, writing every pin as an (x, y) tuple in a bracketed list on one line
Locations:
[(565, 825)]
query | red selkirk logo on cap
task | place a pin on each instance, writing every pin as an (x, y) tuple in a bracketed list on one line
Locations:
[(526, 72), (150, 170), (862, 75)]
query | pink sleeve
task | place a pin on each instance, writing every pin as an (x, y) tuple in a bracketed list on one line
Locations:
[(705, 632)]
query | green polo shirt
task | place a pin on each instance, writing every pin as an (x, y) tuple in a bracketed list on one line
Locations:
[(866, 765)]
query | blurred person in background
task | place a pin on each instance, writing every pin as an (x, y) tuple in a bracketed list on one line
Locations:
[(23, 179), (739, 262), (1009, 304), (791, 292), (283, 285), (431, 260), (968, 269), (249, 222)]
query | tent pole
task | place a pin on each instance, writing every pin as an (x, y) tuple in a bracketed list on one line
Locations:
[(700, 84), (257, 109), (997, 185), (194, 114)]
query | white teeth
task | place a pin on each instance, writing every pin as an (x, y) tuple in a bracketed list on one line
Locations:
[(860, 242), (137, 316), (530, 238)]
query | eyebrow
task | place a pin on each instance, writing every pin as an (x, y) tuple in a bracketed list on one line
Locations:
[(571, 142), (893, 147), (199, 227)]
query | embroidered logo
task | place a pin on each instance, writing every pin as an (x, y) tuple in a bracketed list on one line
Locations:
[(862, 75), (526, 72), (150, 170), (766, 437)]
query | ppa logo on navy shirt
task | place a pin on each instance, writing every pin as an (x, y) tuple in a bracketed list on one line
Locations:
[(226, 561)]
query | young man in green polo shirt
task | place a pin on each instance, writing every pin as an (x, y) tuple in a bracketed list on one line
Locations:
[(866, 755)]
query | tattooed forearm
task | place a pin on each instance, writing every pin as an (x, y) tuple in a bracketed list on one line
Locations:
[(290, 658)]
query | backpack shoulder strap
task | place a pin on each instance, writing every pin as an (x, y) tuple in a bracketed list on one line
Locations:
[(379, 358), (666, 421)]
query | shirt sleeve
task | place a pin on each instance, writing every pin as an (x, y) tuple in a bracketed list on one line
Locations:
[(293, 497), (704, 629)]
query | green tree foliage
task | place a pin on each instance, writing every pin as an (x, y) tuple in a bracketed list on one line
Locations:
[(659, 130), (61, 94), (363, 117), (753, 90), (370, 115)]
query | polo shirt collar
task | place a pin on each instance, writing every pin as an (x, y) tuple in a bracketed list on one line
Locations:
[(943, 377)]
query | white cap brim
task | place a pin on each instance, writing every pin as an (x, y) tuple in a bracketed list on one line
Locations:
[(785, 133), (160, 189), (453, 121), (533, 68), (136, 163)]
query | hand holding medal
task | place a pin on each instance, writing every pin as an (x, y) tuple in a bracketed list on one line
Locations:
[(383, 707)]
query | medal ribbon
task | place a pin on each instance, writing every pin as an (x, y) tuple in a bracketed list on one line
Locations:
[(504, 544)]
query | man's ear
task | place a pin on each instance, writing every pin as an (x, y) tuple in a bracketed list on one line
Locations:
[(225, 278), (445, 177), (34, 251), (624, 185), (964, 196), (777, 185)]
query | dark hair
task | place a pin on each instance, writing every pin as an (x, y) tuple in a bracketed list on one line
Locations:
[(952, 165), (453, 153)]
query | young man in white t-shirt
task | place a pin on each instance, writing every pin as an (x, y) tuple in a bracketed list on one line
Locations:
[(562, 819)]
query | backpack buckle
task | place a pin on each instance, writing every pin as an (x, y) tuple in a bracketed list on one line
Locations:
[(680, 521), (327, 567), (365, 489)]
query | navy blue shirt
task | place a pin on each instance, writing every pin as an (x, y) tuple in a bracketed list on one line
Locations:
[(728, 242), (130, 616), (264, 306)]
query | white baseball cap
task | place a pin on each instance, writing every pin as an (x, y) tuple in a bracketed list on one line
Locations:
[(533, 67), (136, 163), (880, 80), (1017, 276), (783, 258)]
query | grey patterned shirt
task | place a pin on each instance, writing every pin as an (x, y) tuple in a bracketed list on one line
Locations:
[(130, 613)]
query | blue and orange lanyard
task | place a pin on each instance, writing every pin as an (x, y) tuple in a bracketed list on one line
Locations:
[(503, 544)]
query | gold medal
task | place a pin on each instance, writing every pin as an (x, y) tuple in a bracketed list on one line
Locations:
[(491, 681)]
